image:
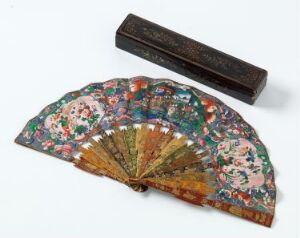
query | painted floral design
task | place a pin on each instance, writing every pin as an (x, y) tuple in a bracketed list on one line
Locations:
[(239, 165), (74, 119)]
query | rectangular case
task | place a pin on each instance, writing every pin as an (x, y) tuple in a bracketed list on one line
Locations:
[(190, 58)]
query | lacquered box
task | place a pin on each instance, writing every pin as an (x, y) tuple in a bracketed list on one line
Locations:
[(190, 58)]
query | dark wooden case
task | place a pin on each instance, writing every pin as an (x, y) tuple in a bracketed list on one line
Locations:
[(190, 58)]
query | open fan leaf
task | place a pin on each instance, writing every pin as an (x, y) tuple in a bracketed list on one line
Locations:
[(157, 133)]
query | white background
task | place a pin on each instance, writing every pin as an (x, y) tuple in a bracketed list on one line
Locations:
[(48, 48)]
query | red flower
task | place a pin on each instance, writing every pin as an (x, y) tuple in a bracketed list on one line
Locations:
[(65, 149), (244, 197), (209, 118), (201, 142)]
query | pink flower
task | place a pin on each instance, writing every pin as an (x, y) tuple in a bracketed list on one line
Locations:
[(47, 144), (65, 149), (236, 131), (226, 159), (38, 133), (122, 110), (86, 113), (237, 162), (65, 132), (109, 85), (80, 137), (201, 142), (205, 131), (221, 146)]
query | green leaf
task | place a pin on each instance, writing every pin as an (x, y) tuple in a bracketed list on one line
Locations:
[(90, 89), (109, 91), (32, 127), (93, 118), (209, 141), (220, 160), (72, 136), (80, 129), (64, 123)]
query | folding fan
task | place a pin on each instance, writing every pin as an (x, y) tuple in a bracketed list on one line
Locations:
[(157, 133)]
